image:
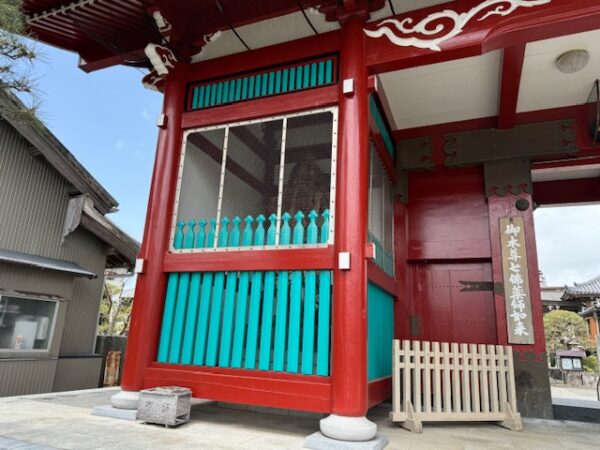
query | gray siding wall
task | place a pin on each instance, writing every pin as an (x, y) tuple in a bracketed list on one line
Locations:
[(33, 204), (77, 373), (26, 376)]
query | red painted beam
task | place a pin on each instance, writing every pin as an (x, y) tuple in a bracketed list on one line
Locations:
[(277, 390), (380, 391), (512, 68), (240, 260), (567, 192), (270, 106), (558, 18), (378, 276)]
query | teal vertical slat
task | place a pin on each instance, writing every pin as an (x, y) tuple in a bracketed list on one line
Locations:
[(200, 103), (285, 73), (266, 329), (213, 94), (228, 309), (245, 88), (313, 74), (231, 91), (310, 294), (258, 86), (220, 94), (207, 94), (293, 347), (299, 77), (380, 332), (225, 97), (181, 302), (195, 97), (278, 82), (251, 87), (191, 315), (329, 71), (292, 84), (282, 300), (324, 321), (255, 294), (238, 89), (242, 303), (214, 327), (170, 299), (271, 88), (321, 75), (264, 84), (205, 296), (306, 76)]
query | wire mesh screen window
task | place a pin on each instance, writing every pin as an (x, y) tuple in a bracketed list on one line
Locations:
[(270, 178), (381, 214)]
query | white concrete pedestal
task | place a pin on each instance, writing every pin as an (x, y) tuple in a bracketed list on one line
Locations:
[(126, 400), (123, 405), (345, 428)]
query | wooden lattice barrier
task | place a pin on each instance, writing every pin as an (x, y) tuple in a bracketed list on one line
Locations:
[(435, 381)]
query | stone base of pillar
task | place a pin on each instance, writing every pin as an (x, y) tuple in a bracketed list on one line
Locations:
[(317, 441), (344, 428), (125, 400)]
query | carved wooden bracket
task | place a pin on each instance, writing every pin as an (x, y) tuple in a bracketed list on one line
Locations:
[(507, 177), (414, 154)]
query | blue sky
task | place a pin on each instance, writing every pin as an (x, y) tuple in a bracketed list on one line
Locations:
[(107, 120)]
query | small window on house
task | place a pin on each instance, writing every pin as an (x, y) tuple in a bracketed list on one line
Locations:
[(381, 214), (26, 324), (251, 184)]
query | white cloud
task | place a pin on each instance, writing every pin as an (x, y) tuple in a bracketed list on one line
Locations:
[(568, 243)]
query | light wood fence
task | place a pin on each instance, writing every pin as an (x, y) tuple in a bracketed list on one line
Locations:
[(435, 381)]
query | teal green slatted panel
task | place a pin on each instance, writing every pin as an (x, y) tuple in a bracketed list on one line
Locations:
[(229, 308), (213, 94), (200, 103), (313, 74), (310, 294), (205, 296), (264, 84), (170, 299), (217, 300), (266, 330), (380, 122), (292, 85), (298, 77), (245, 88), (255, 297), (181, 303), (329, 71), (231, 91), (195, 98), (306, 76), (242, 303), (193, 303), (258, 83), (380, 332), (293, 347), (226, 97), (282, 300), (321, 71), (251, 87), (278, 82), (271, 88), (285, 73), (324, 321), (238, 89)]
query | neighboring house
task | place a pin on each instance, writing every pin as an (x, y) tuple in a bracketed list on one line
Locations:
[(55, 244), (551, 299)]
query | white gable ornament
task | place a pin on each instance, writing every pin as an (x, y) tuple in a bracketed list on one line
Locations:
[(161, 58), (426, 29)]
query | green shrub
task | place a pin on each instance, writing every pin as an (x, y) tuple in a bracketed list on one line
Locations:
[(590, 363)]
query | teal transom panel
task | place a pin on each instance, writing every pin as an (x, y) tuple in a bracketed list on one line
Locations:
[(380, 313), (276, 81), (382, 126)]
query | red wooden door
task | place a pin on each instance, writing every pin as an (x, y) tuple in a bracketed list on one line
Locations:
[(451, 311)]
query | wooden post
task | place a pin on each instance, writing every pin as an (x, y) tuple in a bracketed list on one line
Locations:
[(349, 327), (142, 341)]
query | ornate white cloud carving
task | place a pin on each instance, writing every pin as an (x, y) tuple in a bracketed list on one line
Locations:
[(428, 27)]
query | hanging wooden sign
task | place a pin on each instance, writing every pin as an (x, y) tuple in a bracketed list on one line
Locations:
[(516, 281)]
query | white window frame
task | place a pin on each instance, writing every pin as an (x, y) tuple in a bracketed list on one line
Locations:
[(284, 117), (56, 301)]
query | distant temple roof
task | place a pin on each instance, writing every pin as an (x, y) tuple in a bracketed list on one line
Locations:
[(590, 289)]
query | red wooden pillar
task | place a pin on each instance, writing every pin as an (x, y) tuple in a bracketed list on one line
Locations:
[(349, 327), (142, 341)]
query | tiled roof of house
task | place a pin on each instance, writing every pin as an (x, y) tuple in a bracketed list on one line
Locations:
[(589, 289)]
